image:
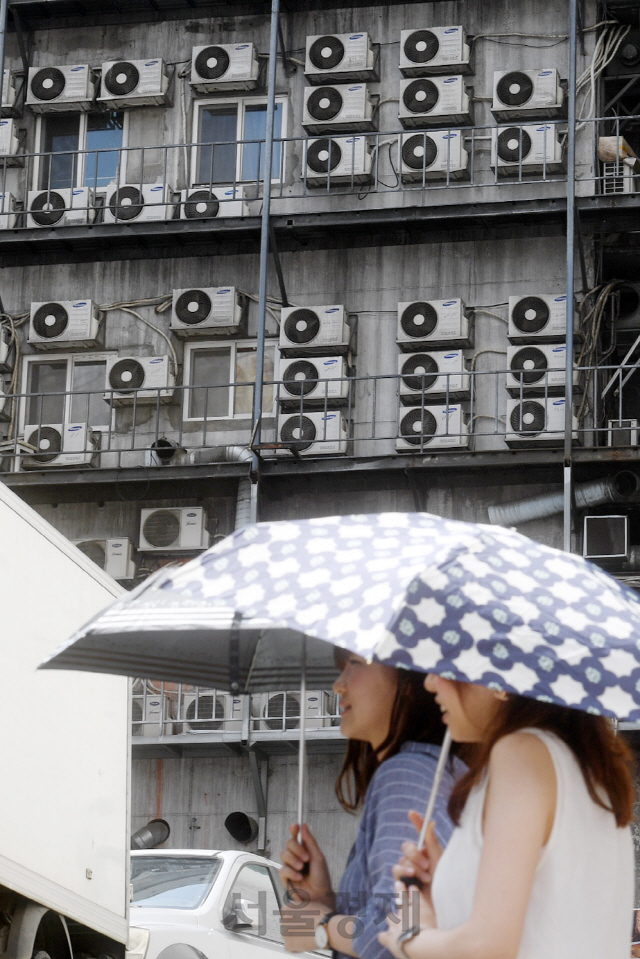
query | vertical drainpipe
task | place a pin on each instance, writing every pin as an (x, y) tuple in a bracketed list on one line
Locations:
[(264, 250), (4, 4), (571, 202)]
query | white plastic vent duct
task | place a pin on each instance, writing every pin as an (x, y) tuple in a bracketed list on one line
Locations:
[(231, 454), (622, 487)]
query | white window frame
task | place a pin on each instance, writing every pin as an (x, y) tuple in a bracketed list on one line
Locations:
[(70, 358), (240, 103), (233, 346), (82, 151)]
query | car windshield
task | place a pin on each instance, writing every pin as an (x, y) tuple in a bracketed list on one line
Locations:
[(172, 882)]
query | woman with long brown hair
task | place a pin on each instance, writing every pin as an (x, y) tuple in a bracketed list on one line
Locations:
[(394, 730)]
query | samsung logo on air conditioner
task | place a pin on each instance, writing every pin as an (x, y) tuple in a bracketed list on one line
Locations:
[(452, 79), (76, 69), (452, 409), (559, 299), (3, 123), (151, 63), (450, 136), (356, 36), (545, 73), (449, 303), (333, 309), (350, 140), (451, 30), (329, 362), (450, 356), (77, 306), (329, 416), (542, 129), (355, 88), (558, 402), (77, 192), (154, 189), (222, 292), (73, 429), (559, 349), (242, 46), (160, 359)]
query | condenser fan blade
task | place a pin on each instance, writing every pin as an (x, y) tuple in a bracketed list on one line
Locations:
[(302, 326), (193, 306), (419, 320), (48, 208), (201, 205), (419, 152), (162, 528), (212, 63), (529, 365), (530, 314), (418, 427), (122, 78), (50, 320), (421, 96), (325, 103), (326, 53), (528, 417), (419, 372), (301, 378), (324, 155), (48, 443), (514, 145), (126, 376), (298, 432), (421, 46), (48, 83), (127, 203), (514, 89)]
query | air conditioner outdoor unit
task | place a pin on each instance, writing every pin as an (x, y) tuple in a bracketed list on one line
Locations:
[(423, 324), (346, 108), (337, 160), (281, 711), (149, 714), (537, 369), (426, 428), (134, 83), (528, 149), (537, 316), (207, 311), (208, 710), (629, 306), (172, 530), (433, 101), (620, 176), (434, 50), (60, 207), (60, 89), (313, 382), (7, 211), (8, 92), (9, 144), (537, 422), (313, 434), (527, 94), (138, 379), (433, 156), (135, 203), (622, 432), (432, 376), (63, 323), (67, 444), (606, 538), (224, 66), (205, 203), (314, 330), (114, 556), (340, 57)]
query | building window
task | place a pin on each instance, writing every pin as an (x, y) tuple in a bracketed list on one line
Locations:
[(66, 389), (219, 380), (231, 138), (63, 139)]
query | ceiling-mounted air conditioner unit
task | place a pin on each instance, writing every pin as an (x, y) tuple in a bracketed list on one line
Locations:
[(281, 711), (207, 203), (434, 101), (423, 429), (207, 311), (314, 330), (173, 530), (323, 433), (340, 57), (208, 710), (7, 211), (313, 381), (620, 176), (433, 50), (336, 109), (425, 324), (60, 89), (537, 369), (528, 149), (63, 324), (622, 432), (135, 203), (8, 93), (114, 556), (432, 376), (66, 444), (47, 208), (433, 156), (224, 66), (537, 316), (537, 422), (138, 379), (606, 538), (9, 144), (134, 83), (527, 94), (337, 160)]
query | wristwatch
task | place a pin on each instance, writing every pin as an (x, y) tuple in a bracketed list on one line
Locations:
[(407, 936), (321, 933)]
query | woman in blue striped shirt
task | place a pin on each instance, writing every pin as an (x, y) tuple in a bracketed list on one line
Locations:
[(394, 730)]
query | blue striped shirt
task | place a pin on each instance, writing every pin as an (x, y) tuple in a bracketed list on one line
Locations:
[(401, 783)]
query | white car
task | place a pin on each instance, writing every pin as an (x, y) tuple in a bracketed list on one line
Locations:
[(203, 904)]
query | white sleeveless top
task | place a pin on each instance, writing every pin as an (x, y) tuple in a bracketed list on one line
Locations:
[(582, 896)]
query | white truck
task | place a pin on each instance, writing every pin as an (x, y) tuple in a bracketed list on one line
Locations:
[(64, 760)]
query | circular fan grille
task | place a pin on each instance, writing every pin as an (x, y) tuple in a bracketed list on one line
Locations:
[(418, 372), (421, 46), (48, 443), (201, 205), (212, 63), (47, 84), (514, 89), (530, 314), (528, 417), (326, 53), (302, 326), (324, 155), (419, 152), (325, 103), (95, 551), (122, 78), (47, 208), (629, 301), (126, 376), (161, 528), (529, 365), (301, 378), (514, 145), (200, 713), (418, 427), (299, 431), (419, 320), (420, 96), (126, 203), (630, 53), (278, 712), (50, 320), (193, 306)]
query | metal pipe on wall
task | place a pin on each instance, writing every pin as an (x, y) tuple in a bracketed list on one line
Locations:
[(571, 203), (4, 5)]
